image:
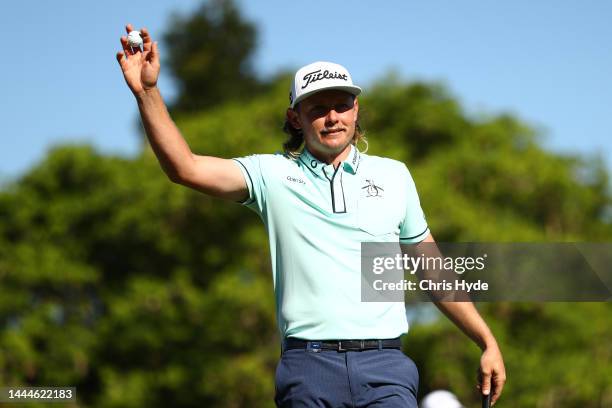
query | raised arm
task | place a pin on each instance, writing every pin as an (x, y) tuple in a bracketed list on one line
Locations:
[(211, 175)]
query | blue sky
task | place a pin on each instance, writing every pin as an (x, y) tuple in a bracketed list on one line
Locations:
[(548, 62)]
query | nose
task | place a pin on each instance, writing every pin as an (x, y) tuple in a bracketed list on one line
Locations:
[(331, 117)]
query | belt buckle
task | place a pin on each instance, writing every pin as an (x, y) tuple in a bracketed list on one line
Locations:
[(340, 346), (313, 346)]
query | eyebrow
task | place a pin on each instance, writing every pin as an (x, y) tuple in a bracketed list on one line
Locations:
[(335, 103)]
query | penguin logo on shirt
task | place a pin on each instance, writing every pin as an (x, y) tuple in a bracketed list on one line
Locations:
[(372, 189)]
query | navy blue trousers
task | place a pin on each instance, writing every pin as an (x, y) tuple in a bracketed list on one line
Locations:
[(385, 378)]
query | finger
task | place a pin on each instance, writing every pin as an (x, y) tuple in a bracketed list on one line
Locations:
[(485, 383), (126, 48), (121, 58), (154, 53), (136, 50), (498, 385), (129, 28), (146, 39), (479, 379), (152, 56)]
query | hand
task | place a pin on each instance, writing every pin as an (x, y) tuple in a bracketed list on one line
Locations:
[(140, 68), (492, 372)]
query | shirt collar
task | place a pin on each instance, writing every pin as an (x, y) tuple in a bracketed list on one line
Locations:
[(324, 170), (352, 160)]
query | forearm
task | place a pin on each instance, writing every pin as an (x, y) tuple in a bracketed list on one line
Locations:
[(170, 147), (463, 314), (466, 317), (492, 373)]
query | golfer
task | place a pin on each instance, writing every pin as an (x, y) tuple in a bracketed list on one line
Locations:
[(318, 201)]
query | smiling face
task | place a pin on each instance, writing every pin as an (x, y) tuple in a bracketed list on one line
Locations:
[(327, 120)]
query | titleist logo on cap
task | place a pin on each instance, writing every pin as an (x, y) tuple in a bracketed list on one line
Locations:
[(318, 75)]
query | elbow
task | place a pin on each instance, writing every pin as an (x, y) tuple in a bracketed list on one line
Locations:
[(175, 176), (178, 174)]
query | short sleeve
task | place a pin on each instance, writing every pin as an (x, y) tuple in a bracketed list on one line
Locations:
[(414, 227), (252, 171)]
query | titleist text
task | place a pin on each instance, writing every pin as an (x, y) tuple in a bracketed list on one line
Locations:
[(318, 75)]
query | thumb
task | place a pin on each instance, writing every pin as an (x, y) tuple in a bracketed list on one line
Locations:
[(485, 383), (154, 56)]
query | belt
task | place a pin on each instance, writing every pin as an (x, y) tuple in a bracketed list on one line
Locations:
[(340, 345)]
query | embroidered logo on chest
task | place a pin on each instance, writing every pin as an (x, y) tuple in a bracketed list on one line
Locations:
[(372, 189), (295, 180)]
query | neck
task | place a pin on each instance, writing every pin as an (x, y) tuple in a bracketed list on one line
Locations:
[(334, 158)]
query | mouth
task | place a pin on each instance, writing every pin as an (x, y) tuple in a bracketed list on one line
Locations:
[(331, 131)]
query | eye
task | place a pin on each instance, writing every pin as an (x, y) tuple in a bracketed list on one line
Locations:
[(343, 107), (318, 111)]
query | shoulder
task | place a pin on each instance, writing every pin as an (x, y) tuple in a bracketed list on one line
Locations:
[(266, 160), (384, 164), (278, 162), (264, 166)]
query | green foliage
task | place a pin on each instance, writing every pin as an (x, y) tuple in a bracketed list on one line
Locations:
[(140, 292), (209, 55), (133, 290), (556, 354)]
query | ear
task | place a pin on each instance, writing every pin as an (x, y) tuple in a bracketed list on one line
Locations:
[(356, 108), (293, 118)]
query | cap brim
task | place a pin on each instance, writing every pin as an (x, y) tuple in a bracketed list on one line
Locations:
[(355, 90)]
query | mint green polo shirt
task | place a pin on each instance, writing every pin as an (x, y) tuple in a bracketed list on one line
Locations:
[(316, 218)]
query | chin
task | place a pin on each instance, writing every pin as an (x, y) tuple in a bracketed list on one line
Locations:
[(333, 147), (338, 144)]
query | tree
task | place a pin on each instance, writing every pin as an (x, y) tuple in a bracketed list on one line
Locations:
[(144, 293), (210, 56)]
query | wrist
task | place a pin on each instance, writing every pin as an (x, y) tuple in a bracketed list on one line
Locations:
[(146, 93), (488, 343)]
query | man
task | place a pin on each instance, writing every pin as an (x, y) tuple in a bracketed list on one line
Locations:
[(318, 205)]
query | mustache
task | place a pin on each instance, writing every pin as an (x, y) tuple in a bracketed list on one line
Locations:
[(332, 130)]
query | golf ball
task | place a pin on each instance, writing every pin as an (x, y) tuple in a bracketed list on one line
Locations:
[(134, 39)]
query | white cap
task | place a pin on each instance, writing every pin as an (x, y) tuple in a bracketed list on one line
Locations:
[(440, 399), (320, 76)]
